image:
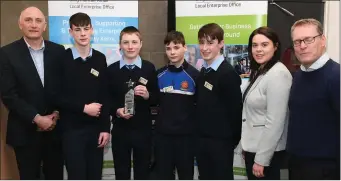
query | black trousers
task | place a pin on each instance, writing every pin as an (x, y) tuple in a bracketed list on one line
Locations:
[(313, 169), (126, 142), (45, 152), (83, 158), (215, 159), (271, 172), (174, 152)]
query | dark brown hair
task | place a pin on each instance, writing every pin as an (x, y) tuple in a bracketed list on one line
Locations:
[(174, 36), (211, 31), (79, 20), (254, 66)]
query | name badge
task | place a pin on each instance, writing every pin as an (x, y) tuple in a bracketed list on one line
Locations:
[(143, 81), (168, 89), (208, 85), (94, 72)]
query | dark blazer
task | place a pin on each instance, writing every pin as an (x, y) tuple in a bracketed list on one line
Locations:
[(22, 91)]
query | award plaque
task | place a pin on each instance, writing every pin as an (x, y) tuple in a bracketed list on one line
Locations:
[(129, 102)]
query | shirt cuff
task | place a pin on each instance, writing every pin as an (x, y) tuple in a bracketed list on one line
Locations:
[(34, 118)]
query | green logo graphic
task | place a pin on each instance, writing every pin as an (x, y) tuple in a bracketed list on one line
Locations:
[(237, 28)]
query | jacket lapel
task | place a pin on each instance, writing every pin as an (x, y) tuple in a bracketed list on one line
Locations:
[(254, 86), (47, 58), (28, 61)]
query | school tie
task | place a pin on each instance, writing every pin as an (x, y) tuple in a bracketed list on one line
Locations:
[(207, 69), (130, 67)]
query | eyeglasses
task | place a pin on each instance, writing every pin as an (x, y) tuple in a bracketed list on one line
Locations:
[(306, 41)]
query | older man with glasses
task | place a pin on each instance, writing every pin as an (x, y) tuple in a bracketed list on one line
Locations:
[(314, 123)]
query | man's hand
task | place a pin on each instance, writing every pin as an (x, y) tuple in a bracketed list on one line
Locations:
[(54, 116), (43, 122), (103, 139), (142, 91), (93, 109), (120, 113), (258, 170)]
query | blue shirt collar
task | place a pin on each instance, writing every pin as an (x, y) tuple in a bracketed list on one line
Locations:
[(76, 54), (215, 64), (137, 62)]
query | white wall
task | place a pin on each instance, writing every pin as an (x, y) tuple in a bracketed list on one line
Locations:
[(332, 28)]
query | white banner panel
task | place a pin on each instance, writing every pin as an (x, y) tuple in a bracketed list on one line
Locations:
[(216, 8)]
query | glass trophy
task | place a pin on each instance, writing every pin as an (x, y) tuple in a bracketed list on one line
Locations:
[(129, 102)]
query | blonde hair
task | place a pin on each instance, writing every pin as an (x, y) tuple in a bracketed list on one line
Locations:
[(309, 21)]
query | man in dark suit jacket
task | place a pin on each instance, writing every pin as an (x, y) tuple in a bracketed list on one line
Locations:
[(27, 84), (240, 68)]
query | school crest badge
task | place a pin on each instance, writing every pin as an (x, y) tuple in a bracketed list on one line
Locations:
[(184, 85)]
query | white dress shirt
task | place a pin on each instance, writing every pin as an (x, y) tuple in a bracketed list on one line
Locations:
[(317, 64)]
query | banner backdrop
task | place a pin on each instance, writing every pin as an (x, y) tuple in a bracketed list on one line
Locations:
[(108, 19), (238, 19)]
